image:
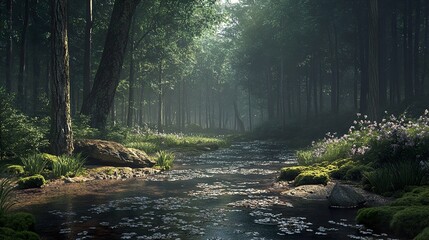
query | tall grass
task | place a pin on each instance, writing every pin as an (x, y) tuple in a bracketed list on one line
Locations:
[(34, 164), (395, 176), (6, 196), (164, 160), (68, 166)]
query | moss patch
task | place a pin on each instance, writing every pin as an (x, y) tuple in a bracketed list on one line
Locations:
[(290, 173), (311, 177), (424, 235), (14, 169), (410, 221), (34, 181)]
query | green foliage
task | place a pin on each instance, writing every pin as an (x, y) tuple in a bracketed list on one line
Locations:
[(49, 158), (377, 218), (34, 164), (395, 176), (290, 173), (147, 147), (164, 160), (416, 197), (424, 235), (68, 166), (19, 135), (82, 128), (311, 177), (34, 181), (14, 169), (6, 196), (341, 172), (410, 221), (19, 221), (356, 173)]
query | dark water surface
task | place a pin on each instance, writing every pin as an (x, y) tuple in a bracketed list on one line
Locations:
[(218, 195)]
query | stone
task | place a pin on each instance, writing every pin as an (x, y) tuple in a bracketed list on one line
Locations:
[(101, 152), (345, 197)]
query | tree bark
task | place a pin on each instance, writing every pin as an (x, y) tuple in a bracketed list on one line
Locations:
[(132, 79), (416, 51), (22, 60), (160, 104), (373, 62), (394, 78), (61, 133), (87, 51), (9, 6), (107, 77)]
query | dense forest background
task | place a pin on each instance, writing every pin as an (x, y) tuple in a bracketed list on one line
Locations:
[(207, 65)]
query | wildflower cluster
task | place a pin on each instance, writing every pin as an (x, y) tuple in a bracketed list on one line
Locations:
[(390, 140)]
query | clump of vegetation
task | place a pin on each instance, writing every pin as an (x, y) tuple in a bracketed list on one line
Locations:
[(35, 181), (164, 160), (423, 235), (18, 226), (6, 196), (34, 164), (49, 158), (290, 173), (19, 134), (311, 177), (387, 155), (69, 166), (407, 216), (13, 169)]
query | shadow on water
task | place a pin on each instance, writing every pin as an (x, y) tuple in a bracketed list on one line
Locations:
[(219, 195)]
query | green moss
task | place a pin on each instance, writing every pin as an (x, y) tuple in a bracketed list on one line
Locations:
[(18, 221), (10, 234), (290, 173), (14, 169), (34, 181), (424, 235), (355, 173), (27, 235), (378, 218), (410, 221), (416, 197), (311, 177), (49, 158)]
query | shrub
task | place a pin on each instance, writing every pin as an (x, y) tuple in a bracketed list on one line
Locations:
[(341, 172), (19, 221), (290, 173), (164, 160), (5, 196), (148, 147), (19, 134), (14, 170), (356, 173), (68, 166), (35, 181), (49, 158), (33, 164), (82, 128), (410, 221), (378, 218), (395, 176), (424, 235), (311, 177), (416, 197)]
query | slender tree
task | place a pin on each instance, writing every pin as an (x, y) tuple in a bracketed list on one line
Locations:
[(9, 6), (88, 50), (373, 62)]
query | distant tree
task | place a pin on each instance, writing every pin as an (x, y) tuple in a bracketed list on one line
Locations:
[(373, 62)]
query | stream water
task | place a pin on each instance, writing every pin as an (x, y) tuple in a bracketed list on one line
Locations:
[(218, 195)]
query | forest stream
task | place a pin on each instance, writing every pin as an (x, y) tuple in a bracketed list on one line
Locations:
[(218, 195)]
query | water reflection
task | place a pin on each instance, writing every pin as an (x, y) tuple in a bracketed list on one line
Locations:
[(219, 195)]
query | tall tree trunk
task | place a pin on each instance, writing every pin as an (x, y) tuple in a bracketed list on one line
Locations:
[(9, 6), (363, 59), (416, 51), (61, 139), (373, 61), (36, 52), (160, 103), (407, 22), (382, 46), (22, 60), (87, 51), (132, 79), (394, 78), (425, 49), (106, 79)]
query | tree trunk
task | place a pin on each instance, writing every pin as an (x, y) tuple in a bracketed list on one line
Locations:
[(61, 133), (87, 53), (394, 78), (373, 62), (382, 58), (425, 49), (22, 60), (160, 105), (9, 5), (363, 59), (107, 77), (132, 80), (416, 51)]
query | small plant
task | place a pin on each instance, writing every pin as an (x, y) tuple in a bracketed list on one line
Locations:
[(164, 160), (34, 164), (5, 196), (13, 170), (35, 181), (68, 166)]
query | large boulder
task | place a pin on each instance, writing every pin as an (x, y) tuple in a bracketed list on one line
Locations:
[(100, 152), (345, 197)]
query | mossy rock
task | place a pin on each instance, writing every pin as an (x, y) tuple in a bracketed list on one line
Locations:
[(10, 234), (378, 218), (341, 162), (410, 221), (26, 235), (14, 170), (19, 221), (416, 197), (342, 169), (290, 173), (49, 158), (34, 181), (424, 235), (355, 173), (310, 177)]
